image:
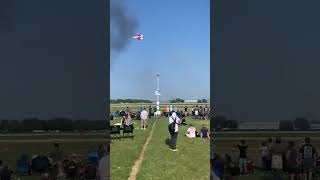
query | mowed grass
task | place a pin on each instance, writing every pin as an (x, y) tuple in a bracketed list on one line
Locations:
[(124, 152), (190, 162), (223, 145)]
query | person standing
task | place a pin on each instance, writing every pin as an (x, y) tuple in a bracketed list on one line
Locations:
[(269, 158), (103, 166), (264, 155), (308, 157), (150, 112), (242, 156), (56, 154), (127, 110), (277, 151), (292, 157), (144, 117), (173, 129), (192, 111)]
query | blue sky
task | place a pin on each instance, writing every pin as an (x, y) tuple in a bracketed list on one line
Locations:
[(176, 44)]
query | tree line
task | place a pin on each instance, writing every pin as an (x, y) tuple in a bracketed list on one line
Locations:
[(179, 100), (297, 124), (62, 124), (118, 101), (221, 122)]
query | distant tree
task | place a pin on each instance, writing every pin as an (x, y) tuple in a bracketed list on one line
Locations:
[(202, 101), (219, 122), (301, 124), (177, 100), (4, 124), (286, 126), (118, 101), (314, 122), (231, 124), (63, 124), (15, 126), (31, 124)]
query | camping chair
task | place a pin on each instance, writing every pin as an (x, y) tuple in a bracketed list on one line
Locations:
[(128, 130), (92, 156), (39, 164), (115, 131), (23, 166)]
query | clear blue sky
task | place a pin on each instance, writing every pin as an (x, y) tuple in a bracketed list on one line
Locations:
[(176, 44)]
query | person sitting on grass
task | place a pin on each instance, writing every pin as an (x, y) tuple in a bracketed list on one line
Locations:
[(204, 132), (183, 121), (191, 132)]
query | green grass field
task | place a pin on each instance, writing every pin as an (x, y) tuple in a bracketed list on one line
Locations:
[(190, 162)]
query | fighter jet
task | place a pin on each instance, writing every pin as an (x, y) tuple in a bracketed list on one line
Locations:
[(139, 37)]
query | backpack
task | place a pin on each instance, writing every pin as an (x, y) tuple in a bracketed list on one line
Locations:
[(292, 156), (40, 164), (71, 169), (90, 171), (265, 151), (307, 152), (276, 162), (172, 126)]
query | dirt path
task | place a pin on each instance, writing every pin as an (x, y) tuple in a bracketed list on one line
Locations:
[(138, 162)]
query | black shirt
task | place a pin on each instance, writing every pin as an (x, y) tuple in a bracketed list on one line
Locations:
[(204, 132), (308, 151), (243, 151)]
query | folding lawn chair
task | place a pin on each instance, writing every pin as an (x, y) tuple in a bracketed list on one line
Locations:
[(92, 156), (115, 131), (23, 165), (128, 130)]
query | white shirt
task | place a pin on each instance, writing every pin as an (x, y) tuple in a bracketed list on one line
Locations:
[(103, 168), (144, 115), (171, 119), (192, 131)]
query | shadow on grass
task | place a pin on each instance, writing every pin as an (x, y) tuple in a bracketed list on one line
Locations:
[(168, 141)]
